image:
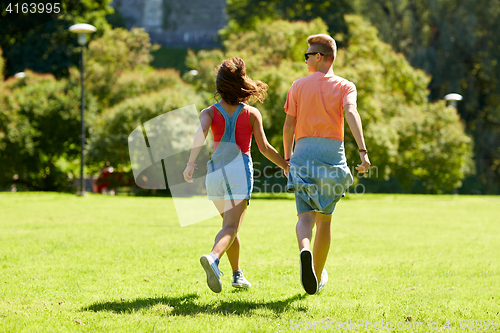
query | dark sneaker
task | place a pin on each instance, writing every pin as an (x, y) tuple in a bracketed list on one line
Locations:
[(307, 276)]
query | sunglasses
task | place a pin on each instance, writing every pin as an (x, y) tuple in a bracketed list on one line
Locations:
[(306, 55)]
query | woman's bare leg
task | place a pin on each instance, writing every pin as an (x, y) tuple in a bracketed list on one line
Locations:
[(233, 252), (232, 218)]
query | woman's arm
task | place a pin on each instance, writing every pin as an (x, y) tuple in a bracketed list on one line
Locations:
[(199, 138), (354, 121), (260, 137)]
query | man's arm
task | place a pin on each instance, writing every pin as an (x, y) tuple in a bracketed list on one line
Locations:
[(354, 121), (288, 133)]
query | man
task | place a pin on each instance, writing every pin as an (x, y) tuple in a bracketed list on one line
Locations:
[(319, 174)]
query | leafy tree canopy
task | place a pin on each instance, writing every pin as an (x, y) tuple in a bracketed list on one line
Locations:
[(392, 98), (40, 116), (456, 42), (248, 14), (109, 139), (117, 51), (39, 131), (48, 46)]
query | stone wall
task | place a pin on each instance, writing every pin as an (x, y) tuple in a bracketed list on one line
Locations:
[(191, 23)]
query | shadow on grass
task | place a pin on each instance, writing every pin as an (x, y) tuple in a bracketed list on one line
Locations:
[(187, 306)]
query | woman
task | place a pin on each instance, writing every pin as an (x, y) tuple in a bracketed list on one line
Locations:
[(229, 179)]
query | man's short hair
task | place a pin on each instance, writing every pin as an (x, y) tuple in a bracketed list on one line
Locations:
[(324, 44)]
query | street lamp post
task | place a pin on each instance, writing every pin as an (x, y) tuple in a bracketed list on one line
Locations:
[(454, 98), (82, 29)]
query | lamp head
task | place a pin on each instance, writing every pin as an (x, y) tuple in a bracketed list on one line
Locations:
[(453, 97), (82, 29)]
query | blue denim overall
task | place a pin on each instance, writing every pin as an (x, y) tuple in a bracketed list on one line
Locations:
[(319, 174), (229, 171)]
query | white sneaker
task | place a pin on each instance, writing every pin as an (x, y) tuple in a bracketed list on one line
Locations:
[(307, 275), (211, 268), (239, 280), (324, 280)]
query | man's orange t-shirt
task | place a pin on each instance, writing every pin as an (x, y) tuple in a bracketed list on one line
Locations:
[(317, 101)]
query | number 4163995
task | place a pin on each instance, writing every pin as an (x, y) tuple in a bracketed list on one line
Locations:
[(472, 324), (34, 8)]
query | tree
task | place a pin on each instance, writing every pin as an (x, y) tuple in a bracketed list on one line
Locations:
[(247, 14), (39, 132), (392, 98), (456, 42), (40, 117), (43, 43), (116, 52), (108, 142)]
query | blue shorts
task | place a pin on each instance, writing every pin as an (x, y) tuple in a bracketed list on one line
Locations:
[(305, 206), (319, 174), (234, 181)]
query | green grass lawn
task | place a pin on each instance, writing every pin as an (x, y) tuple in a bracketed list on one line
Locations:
[(123, 264)]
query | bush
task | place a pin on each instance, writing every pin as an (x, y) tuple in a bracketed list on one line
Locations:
[(39, 131), (116, 52), (432, 147), (108, 143), (408, 137), (133, 84)]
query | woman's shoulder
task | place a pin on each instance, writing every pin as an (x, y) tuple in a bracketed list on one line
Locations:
[(251, 109), (208, 109), (253, 112), (207, 112)]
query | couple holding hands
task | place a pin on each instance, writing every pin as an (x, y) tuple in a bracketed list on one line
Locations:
[(317, 169)]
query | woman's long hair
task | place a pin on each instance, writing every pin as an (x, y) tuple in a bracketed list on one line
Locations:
[(233, 84)]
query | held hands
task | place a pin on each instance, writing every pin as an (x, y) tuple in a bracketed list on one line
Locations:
[(286, 170), (365, 163), (188, 173)]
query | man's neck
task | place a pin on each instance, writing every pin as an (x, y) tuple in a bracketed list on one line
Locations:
[(325, 69)]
